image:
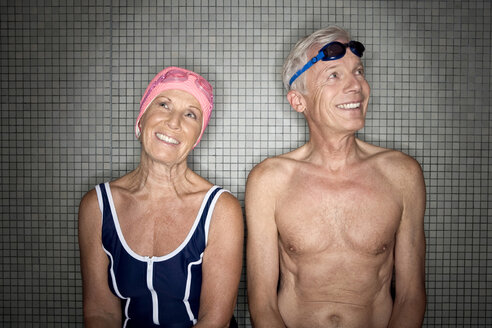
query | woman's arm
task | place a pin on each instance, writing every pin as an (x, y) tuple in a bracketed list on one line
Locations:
[(101, 307), (222, 264)]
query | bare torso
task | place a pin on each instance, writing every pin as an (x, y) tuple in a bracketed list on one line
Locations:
[(336, 242)]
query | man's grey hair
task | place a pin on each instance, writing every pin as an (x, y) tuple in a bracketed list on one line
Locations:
[(298, 56)]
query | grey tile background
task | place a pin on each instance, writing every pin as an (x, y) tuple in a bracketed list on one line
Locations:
[(72, 74)]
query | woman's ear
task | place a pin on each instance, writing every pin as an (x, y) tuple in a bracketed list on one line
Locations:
[(296, 100)]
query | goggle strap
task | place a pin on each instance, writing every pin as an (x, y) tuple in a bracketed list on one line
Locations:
[(310, 63)]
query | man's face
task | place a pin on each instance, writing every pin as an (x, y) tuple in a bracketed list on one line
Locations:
[(337, 93)]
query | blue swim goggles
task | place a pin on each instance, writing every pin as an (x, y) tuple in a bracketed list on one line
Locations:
[(332, 51)]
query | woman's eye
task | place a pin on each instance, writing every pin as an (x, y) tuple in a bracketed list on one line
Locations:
[(191, 115), (163, 104), (360, 72), (333, 75)]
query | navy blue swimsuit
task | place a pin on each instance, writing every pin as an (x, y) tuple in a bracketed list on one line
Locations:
[(156, 291)]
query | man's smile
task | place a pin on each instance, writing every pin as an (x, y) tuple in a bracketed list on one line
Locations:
[(353, 105)]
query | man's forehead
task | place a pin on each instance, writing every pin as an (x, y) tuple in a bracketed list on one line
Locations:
[(345, 61)]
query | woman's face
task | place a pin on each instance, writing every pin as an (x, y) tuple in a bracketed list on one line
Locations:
[(171, 125)]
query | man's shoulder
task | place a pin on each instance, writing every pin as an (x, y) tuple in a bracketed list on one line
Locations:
[(275, 166), (394, 162), (272, 171), (398, 160)]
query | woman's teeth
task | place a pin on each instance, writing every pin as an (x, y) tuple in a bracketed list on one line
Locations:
[(167, 139)]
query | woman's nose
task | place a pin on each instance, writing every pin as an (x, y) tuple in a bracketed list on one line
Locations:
[(174, 120)]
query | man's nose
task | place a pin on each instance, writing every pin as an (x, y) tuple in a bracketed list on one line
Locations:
[(353, 84)]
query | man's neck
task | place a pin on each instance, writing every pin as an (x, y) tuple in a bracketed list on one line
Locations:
[(333, 152)]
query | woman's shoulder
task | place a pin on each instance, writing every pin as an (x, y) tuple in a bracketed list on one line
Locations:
[(89, 211), (89, 204), (89, 199), (226, 200)]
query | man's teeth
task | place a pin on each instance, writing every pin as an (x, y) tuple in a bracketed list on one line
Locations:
[(166, 138), (349, 106)]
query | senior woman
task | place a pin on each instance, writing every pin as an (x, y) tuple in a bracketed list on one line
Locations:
[(162, 246)]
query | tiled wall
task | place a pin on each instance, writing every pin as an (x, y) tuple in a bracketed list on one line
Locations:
[(72, 74)]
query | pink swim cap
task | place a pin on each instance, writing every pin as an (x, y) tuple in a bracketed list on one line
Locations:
[(181, 79)]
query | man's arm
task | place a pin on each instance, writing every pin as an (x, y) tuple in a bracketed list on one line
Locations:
[(222, 264), (262, 249), (409, 305), (101, 307)]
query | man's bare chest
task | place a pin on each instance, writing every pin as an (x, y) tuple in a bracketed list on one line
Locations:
[(362, 216)]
